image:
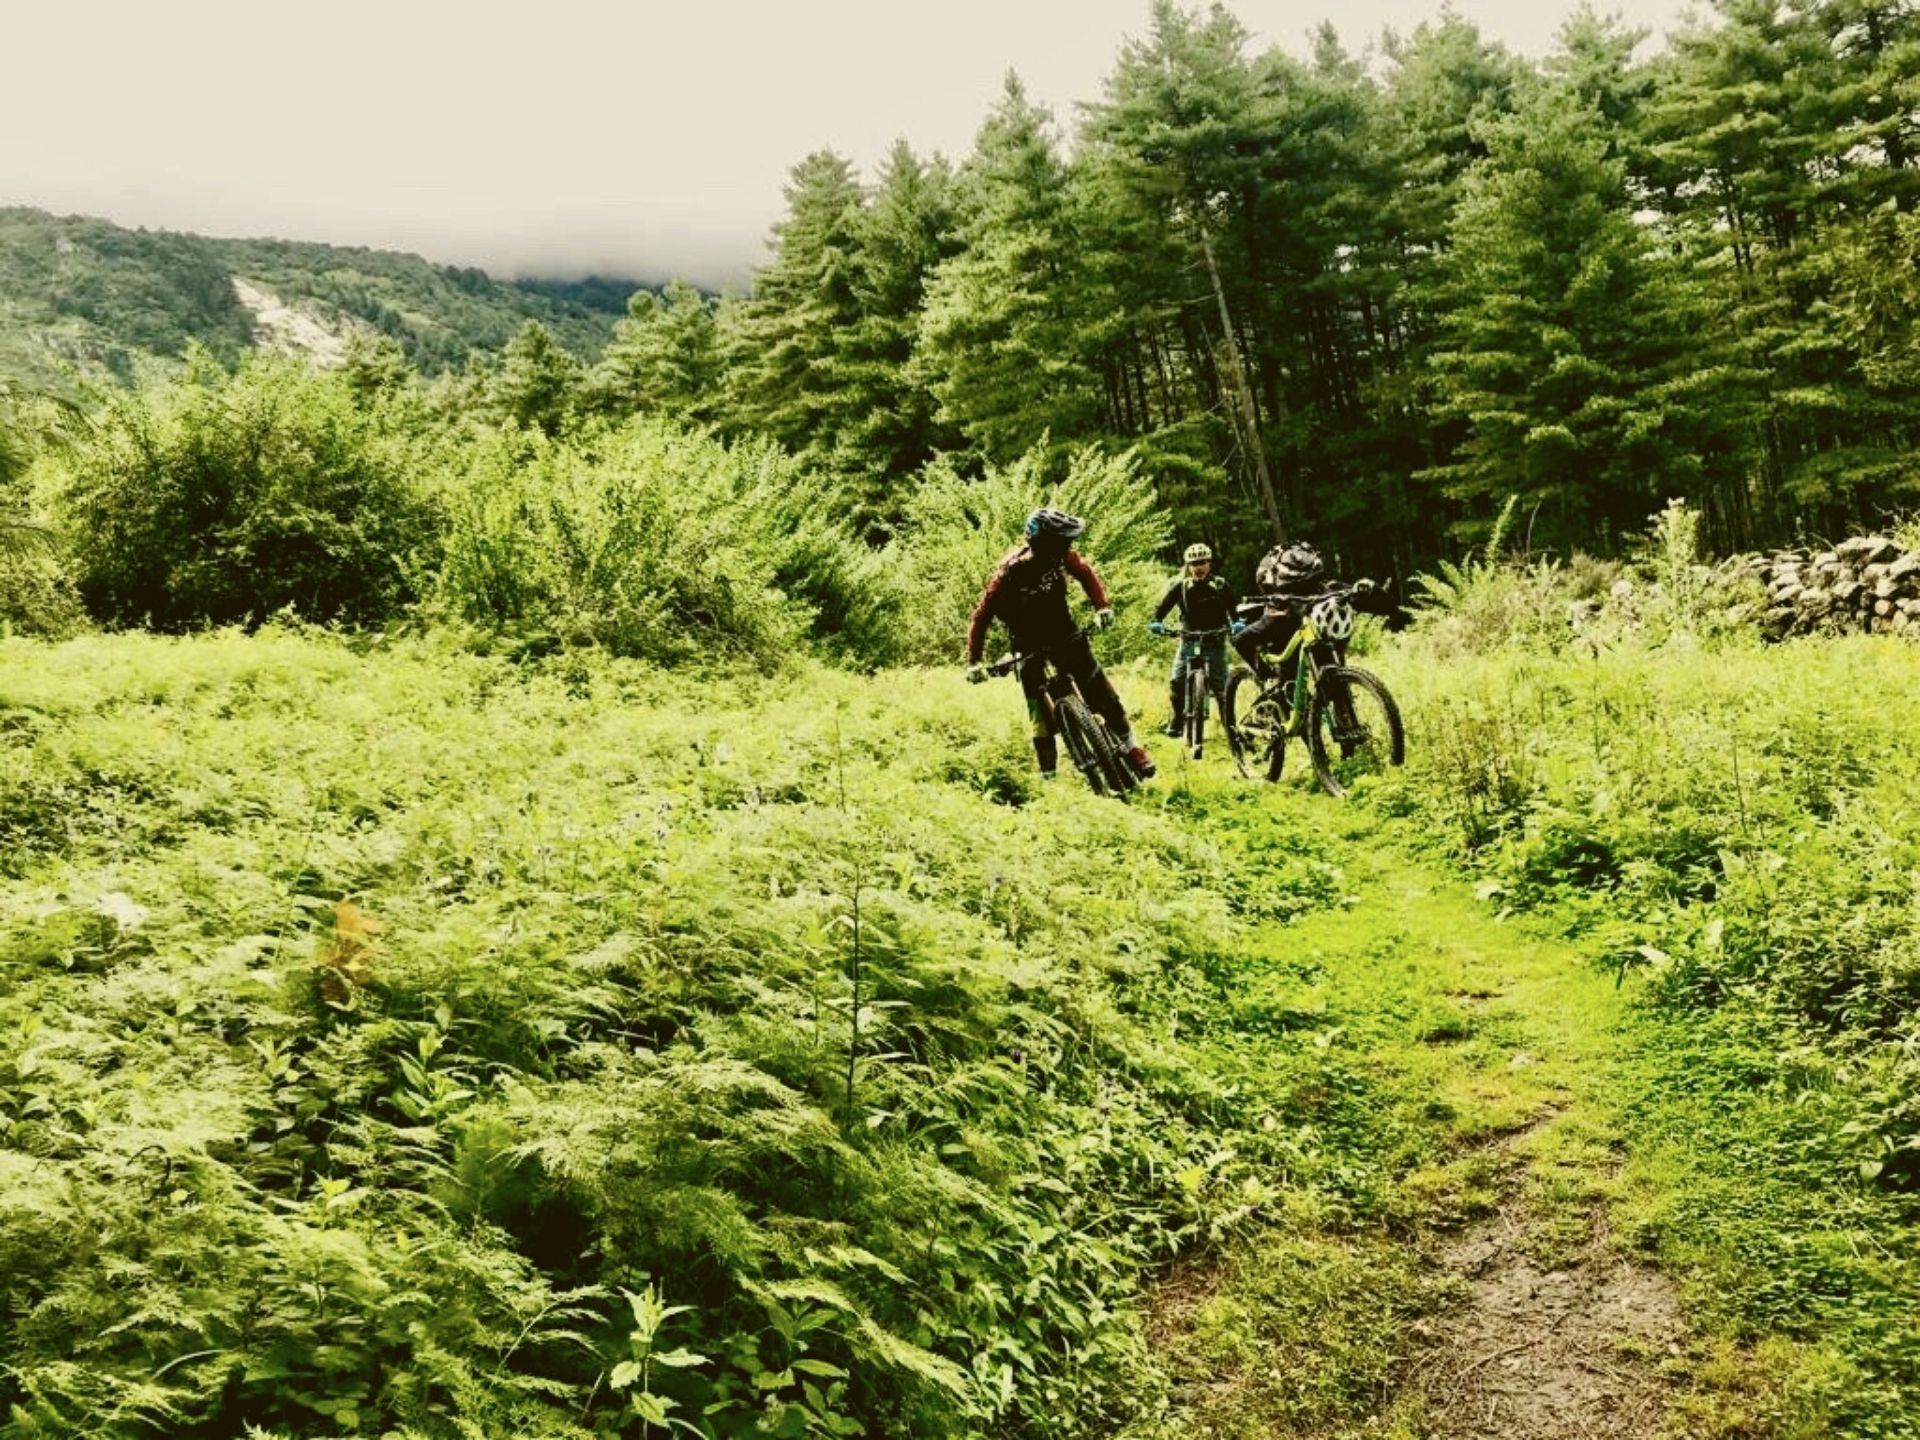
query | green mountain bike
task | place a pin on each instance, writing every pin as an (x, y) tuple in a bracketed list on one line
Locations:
[(1346, 715)]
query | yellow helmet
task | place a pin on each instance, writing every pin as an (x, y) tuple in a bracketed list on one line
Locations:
[(1196, 552)]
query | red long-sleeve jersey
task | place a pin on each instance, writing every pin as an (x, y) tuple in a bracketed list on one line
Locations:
[(1029, 596)]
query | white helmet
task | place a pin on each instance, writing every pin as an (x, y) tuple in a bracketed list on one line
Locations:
[(1333, 618)]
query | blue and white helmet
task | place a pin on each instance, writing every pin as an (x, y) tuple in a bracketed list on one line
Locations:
[(1056, 524), (1332, 617)]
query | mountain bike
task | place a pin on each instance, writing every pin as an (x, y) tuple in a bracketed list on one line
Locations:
[(1346, 715), (1194, 708), (1092, 748)]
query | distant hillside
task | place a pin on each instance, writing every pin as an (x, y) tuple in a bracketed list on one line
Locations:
[(85, 290)]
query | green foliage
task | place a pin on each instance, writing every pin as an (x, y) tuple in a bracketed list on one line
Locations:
[(547, 1130), (655, 544), (221, 498), (957, 529)]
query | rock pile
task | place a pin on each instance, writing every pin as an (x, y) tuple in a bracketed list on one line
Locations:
[(1866, 583)]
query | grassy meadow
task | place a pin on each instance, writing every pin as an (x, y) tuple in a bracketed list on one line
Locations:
[(400, 1041)]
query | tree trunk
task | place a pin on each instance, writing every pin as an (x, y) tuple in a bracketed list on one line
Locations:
[(1242, 389)]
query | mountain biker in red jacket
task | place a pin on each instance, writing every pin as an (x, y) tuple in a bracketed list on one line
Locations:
[(1028, 594)]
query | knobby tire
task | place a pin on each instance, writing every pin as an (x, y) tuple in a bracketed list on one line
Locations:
[(1197, 698), (1335, 683), (1077, 731), (1107, 770)]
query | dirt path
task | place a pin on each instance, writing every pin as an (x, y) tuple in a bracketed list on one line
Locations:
[(1543, 1340), (1523, 1317)]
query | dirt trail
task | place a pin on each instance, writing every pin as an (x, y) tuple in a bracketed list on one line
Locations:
[(1544, 1347), (1553, 1332), (1532, 1322)]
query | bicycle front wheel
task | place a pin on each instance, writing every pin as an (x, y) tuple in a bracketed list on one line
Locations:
[(1257, 717), (1075, 728), (1353, 729), (1107, 770), (1197, 708)]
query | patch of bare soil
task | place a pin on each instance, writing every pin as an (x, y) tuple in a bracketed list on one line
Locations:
[(287, 330), (1545, 1350)]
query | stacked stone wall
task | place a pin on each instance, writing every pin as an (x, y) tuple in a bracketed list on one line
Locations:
[(1866, 583)]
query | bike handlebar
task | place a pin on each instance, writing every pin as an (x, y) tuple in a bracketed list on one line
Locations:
[(1341, 590), (1195, 634), (1008, 663)]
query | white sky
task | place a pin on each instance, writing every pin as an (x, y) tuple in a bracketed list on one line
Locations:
[(635, 138)]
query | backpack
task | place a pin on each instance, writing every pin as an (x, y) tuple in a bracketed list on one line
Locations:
[(1290, 567)]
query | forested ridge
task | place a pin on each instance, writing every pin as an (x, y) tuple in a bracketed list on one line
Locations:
[(84, 293)]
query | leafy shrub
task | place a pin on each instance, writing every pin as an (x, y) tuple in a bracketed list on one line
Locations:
[(956, 530), (658, 544), (228, 498), (37, 596)]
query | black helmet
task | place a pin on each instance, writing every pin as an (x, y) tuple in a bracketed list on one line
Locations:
[(1055, 525), (1289, 567)]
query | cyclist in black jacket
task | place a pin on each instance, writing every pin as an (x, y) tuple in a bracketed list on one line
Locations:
[(1205, 602)]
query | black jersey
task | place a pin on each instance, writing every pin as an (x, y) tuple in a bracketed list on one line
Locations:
[(1203, 604)]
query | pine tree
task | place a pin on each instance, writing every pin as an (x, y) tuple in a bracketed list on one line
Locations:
[(537, 383), (884, 427), (1004, 347), (1767, 152), (790, 326), (1565, 340), (664, 358)]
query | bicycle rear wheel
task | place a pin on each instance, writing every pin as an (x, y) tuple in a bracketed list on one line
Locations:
[(1353, 729)]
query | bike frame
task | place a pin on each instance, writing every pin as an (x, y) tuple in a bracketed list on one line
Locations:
[(1302, 643)]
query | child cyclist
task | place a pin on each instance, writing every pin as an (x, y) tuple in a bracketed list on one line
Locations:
[(1205, 602), (1028, 593)]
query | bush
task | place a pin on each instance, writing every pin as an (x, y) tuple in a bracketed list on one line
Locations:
[(36, 595), (220, 499), (957, 529), (657, 544)]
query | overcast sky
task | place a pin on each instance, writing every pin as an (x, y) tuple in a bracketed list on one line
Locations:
[(561, 136)]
